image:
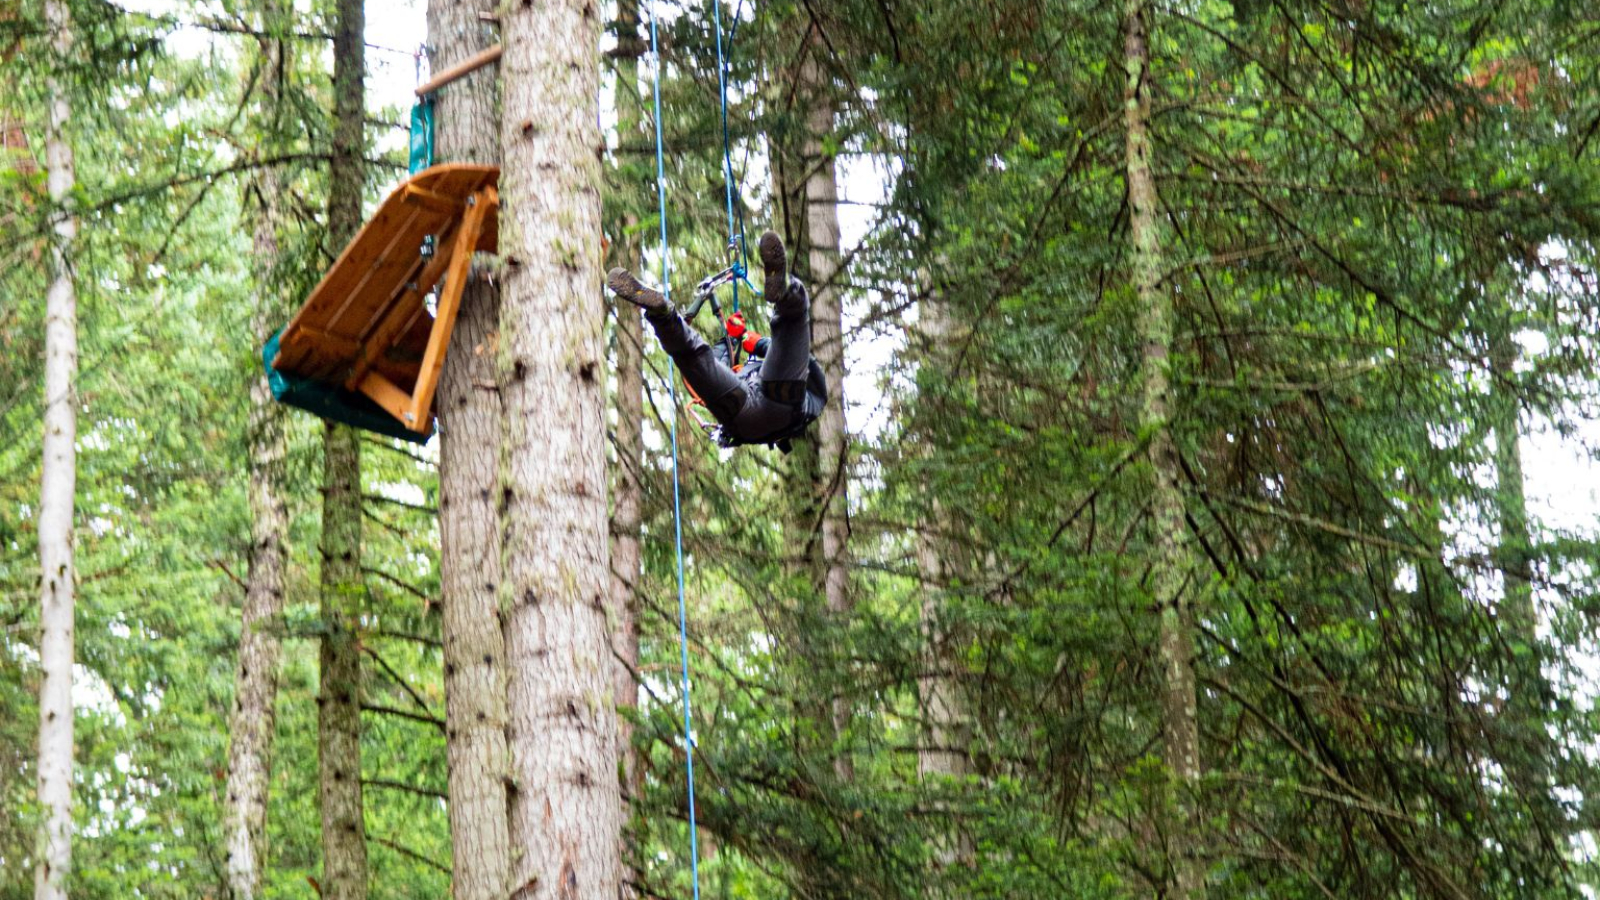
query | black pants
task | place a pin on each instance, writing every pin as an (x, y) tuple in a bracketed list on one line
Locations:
[(751, 407)]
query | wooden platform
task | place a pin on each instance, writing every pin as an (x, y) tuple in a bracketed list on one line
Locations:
[(366, 328)]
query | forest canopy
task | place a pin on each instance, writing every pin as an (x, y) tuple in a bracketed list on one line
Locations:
[(1204, 503)]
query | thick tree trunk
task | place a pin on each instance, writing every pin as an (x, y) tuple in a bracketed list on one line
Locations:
[(56, 491), (565, 816), (468, 119), (344, 844), (1180, 726), (627, 502), (250, 727)]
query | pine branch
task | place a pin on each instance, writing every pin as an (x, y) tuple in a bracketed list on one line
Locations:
[(409, 853), (404, 714), (401, 786)]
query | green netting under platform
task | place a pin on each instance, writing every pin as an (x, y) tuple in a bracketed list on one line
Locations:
[(332, 403)]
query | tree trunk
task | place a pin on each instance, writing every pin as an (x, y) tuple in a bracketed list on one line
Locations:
[(947, 729), (565, 818), (627, 508), (250, 727), (57, 489), (1528, 690), (468, 117), (1180, 726), (819, 471), (1515, 548), (344, 845)]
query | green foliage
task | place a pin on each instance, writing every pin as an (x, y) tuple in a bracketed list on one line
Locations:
[(1362, 203)]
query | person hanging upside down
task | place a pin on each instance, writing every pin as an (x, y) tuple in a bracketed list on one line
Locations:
[(779, 391)]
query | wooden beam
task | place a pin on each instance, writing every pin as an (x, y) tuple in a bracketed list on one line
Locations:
[(429, 200), (484, 202), (388, 395), (461, 69), (315, 339)]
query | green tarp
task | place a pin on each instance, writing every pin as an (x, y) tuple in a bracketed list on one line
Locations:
[(422, 135), (332, 403)]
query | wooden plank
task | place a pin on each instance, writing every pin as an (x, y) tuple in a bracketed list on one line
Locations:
[(336, 343), (365, 317), (328, 298), (332, 295), (389, 396), (444, 321), (439, 203), (461, 69), (397, 317), (402, 237)]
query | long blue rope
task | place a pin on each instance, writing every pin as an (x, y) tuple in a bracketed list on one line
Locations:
[(735, 231), (677, 506)]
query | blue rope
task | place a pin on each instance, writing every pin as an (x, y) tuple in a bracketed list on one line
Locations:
[(677, 505), (735, 232)]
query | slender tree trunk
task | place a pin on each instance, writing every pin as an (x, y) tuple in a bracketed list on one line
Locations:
[(250, 726), (824, 474), (344, 844), (565, 818), (468, 119), (627, 504), (1515, 549), (57, 490), (1180, 726), (1529, 693), (947, 729)]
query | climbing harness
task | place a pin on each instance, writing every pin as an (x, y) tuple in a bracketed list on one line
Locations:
[(737, 340), (737, 270)]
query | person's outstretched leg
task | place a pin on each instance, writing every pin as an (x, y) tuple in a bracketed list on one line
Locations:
[(783, 374), (719, 386)]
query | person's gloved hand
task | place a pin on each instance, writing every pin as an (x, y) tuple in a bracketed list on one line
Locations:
[(739, 331)]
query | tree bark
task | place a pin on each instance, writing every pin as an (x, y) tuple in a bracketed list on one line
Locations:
[(819, 471), (627, 505), (947, 728), (344, 847), (1181, 748), (468, 117), (250, 727), (58, 486), (564, 812)]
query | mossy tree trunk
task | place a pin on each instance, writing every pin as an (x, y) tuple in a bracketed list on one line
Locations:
[(250, 728), (1180, 728), (627, 505), (344, 844)]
